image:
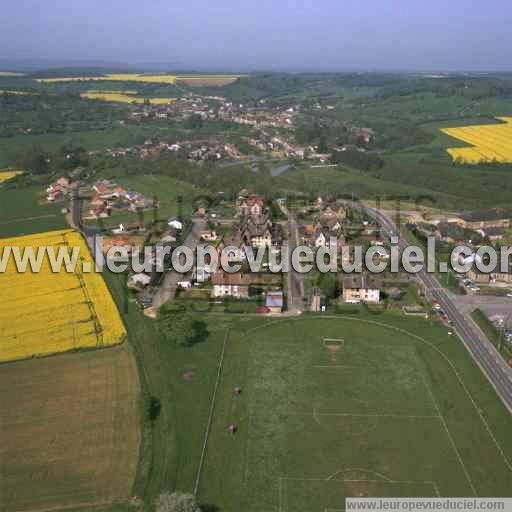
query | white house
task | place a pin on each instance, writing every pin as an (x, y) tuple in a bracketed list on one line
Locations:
[(176, 224), (358, 288)]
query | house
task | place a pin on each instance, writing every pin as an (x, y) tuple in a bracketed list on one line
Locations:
[(62, 184), (478, 277), (493, 218), (58, 189), (250, 205), (261, 232), (234, 241), (450, 232), (138, 281), (274, 301), (308, 234), (492, 233), (176, 224), (230, 285), (359, 288), (208, 235), (375, 240)]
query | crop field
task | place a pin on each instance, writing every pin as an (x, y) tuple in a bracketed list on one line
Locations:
[(10, 74), (7, 175), (70, 431), (490, 142), (346, 406), (48, 312), (208, 80), (151, 79), (124, 97)]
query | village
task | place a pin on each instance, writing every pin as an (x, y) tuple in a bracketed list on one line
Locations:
[(257, 222), (270, 135)]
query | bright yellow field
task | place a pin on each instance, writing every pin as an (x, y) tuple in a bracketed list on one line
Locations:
[(122, 77), (8, 175), (124, 97), (47, 313), (490, 142), (137, 77)]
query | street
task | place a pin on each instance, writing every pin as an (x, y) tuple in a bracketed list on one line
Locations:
[(481, 349)]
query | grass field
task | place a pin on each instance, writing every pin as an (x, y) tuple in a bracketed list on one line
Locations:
[(489, 142), (346, 407), (22, 213), (49, 312), (12, 147), (70, 431)]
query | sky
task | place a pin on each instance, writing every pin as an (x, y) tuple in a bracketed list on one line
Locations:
[(429, 35)]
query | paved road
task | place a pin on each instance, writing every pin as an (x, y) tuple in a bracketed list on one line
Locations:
[(295, 279), (483, 352), (169, 285)]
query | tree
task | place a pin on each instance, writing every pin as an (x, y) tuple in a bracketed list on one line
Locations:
[(176, 502), (327, 284), (181, 327)]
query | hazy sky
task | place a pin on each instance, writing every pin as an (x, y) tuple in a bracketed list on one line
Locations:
[(264, 34)]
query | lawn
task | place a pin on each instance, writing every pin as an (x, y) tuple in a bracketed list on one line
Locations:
[(344, 407)]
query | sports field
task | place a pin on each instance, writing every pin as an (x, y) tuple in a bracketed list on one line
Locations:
[(70, 431), (341, 407), (490, 142)]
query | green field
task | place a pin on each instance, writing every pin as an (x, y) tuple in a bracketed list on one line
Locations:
[(346, 407), (330, 407), (23, 212)]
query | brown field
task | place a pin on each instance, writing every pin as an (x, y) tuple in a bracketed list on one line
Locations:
[(69, 430), (207, 81)]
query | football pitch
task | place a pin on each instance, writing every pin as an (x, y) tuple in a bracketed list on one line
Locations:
[(330, 408)]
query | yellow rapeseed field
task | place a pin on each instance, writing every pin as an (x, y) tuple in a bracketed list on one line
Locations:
[(120, 77), (46, 313), (7, 174), (139, 77), (124, 97), (490, 142)]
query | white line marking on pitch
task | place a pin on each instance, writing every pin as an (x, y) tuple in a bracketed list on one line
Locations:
[(447, 430), (373, 415)]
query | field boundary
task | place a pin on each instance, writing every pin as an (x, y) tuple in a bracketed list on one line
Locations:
[(210, 417)]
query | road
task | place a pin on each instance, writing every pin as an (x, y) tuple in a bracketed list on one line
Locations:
[(169, 285), (295, 279), (483, 352)]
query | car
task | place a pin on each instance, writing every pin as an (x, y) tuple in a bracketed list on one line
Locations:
[(509, 294)]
